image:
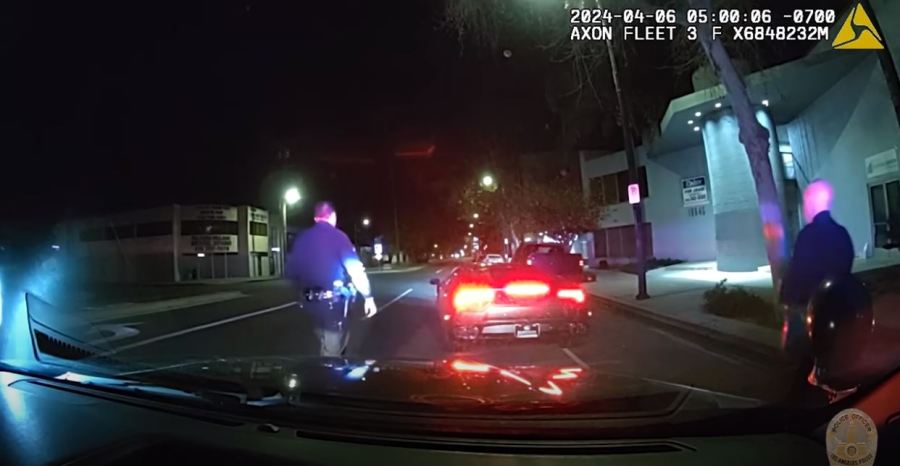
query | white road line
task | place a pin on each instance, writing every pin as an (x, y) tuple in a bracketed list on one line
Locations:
[(574, 357), (398, 298), (200, 327), (697, 347), (438, 271)]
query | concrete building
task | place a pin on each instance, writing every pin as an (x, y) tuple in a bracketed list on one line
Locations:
[(829, 116), (171, 244)]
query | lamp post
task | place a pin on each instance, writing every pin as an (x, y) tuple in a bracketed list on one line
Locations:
[(291, 196)]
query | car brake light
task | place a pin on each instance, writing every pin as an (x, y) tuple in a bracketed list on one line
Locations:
[(573, 294), (472, 298), (526, 289), (461, 365)]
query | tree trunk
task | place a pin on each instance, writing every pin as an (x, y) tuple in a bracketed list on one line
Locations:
[(755, 139)]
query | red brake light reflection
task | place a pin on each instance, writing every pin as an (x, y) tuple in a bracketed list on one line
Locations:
[(574, 294), (526, 289), (567, 373)]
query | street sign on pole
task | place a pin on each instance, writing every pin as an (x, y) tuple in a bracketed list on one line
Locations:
[(634, 193)]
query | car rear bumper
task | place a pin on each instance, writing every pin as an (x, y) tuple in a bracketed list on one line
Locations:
[(507, 328)]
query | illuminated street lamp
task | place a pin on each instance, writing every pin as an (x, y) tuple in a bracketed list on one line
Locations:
[(435, 245), (366, 222), (471, 225), (291, 196), (487, 181), (475, 215)]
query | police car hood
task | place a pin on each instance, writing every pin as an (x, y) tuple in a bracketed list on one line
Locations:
[(459, 385)]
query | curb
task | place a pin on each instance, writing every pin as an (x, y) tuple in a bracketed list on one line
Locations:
[(744, 344)]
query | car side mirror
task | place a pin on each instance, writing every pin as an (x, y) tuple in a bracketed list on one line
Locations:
[(435, 281)]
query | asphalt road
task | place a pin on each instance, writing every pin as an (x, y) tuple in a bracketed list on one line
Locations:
[(260, 319)]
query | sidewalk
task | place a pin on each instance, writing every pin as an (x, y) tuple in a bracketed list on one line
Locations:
[(676, 299)]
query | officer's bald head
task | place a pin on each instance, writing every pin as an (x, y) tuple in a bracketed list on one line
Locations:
[(817, 198), (324, 212)]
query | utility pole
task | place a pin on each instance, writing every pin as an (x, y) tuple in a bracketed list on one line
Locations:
[(396, 213), (633, 173)]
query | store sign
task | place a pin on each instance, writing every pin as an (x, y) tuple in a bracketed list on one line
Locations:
[(210, 243), (694, 191), (881, 164), (209, 212), (259, 215)]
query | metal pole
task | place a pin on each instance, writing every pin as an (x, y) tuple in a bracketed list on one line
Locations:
[(633, 173), (283, 238), (396, 214)]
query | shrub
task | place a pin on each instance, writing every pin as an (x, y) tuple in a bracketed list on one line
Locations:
[(740, 304)]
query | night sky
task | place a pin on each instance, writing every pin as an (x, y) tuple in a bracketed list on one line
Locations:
[(116, 105)]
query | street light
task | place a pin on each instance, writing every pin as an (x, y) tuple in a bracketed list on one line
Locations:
[(366, 222), (471, 225), (435, 245), (291, 196), (475, 215), (487, 181)]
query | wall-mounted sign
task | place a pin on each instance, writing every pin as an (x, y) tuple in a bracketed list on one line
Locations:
[(694, 192), (209, 243), (260, 216), (882, 164), (209, 212)]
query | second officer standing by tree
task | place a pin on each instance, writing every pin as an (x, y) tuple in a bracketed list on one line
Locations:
[(320, 262)]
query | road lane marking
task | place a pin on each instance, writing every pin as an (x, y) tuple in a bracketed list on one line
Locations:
[(574, 357), (438, 271), (388, 271), (398, 298), (199, 327), (698, 347)]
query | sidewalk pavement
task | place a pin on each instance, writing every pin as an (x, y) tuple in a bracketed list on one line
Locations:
[(676, 299)]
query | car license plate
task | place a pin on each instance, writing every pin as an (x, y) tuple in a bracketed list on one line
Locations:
[(528, 331)]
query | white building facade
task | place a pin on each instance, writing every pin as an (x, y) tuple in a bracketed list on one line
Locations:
[(171, 244)]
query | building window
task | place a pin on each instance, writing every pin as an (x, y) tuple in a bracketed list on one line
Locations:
[(144, 230), (618, 242), (610, 189), (787, 159), (259, 229), (208, 227)]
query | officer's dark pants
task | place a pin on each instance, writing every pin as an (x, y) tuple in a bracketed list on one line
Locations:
[(330, 325)]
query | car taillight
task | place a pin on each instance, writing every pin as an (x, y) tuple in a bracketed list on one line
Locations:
[(572, 294), (461, 365), (526, 289), (472, 298), (581, 262)]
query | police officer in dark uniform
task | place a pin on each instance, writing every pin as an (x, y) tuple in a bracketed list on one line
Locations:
[(321, 261), (823, 253)]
